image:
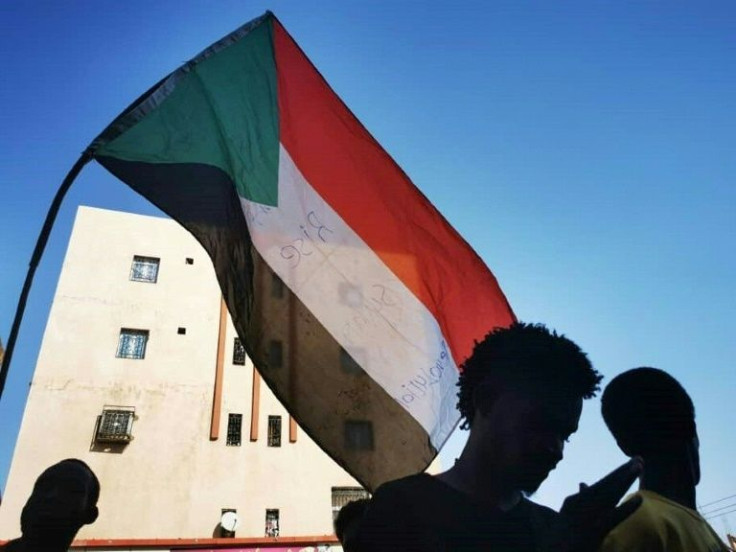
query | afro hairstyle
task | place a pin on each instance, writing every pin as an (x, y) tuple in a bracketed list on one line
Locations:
[(529, 356)]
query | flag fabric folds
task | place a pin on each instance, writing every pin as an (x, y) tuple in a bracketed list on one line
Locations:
[(353, 296)]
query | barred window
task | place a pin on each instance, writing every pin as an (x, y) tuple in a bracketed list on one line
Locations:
[(274, 431), (342, 495), (144, 269), (238, 352), (359, 435), (234, 429), (115, 425), (272, 523), (132, 343)]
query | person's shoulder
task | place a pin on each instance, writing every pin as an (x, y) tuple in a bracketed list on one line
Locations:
[(396, 517), (642, 530), (544, 511), (408, 485), (409, 498), (681, 524), (410, 481), (647, 515), (657, 510), (541, 516), (541, 510)]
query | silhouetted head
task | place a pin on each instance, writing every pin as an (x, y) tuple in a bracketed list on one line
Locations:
[(347, 523), (521, 395), (64, 498), (651, 415)]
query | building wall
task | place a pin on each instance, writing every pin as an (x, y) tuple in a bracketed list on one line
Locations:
[(171, 481)]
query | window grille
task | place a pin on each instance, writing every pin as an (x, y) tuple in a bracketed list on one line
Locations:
[(272, 523), (274, 431), (115, 425), (342, 495), (359, 435), (144, 269), (234, 429), (238, 352), (275, 354), (132, 343), (277, 287)]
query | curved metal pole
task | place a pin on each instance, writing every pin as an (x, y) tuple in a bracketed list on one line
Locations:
[(43, 237)]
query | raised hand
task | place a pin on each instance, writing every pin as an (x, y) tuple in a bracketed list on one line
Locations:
[(588, 516)]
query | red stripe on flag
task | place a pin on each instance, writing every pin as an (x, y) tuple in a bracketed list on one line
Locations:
[(356, 176)]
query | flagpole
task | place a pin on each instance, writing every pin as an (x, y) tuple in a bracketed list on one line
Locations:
[(43, 237)]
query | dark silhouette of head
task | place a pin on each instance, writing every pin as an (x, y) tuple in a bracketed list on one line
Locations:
[(347, 523), (521, 394), (651, 415), (64, 498)]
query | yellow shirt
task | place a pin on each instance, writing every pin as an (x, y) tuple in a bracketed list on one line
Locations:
[(660, 524)]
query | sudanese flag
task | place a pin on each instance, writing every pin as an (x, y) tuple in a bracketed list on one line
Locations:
[(353, 296)]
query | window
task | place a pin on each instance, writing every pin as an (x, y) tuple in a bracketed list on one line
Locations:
[(144, 269), (234, 429), (272, 523), (359, 435), (115, 425), (275, 354), (132, 343), (238, 352), (277, 287), (342, 495), (189, 261), (274, 431), (181, 331)]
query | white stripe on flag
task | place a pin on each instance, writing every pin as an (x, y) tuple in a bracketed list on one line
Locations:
[(358, 299)]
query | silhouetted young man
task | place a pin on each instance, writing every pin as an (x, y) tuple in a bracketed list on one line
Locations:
[(651, 415), (521, 396), (64, 499)]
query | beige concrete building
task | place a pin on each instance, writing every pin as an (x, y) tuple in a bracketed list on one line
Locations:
[(140, 375)]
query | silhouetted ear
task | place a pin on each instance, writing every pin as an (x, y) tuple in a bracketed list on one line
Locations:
[(693, 458), (92, 515)]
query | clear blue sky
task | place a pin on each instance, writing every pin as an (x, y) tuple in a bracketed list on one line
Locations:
[(585, 149)]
